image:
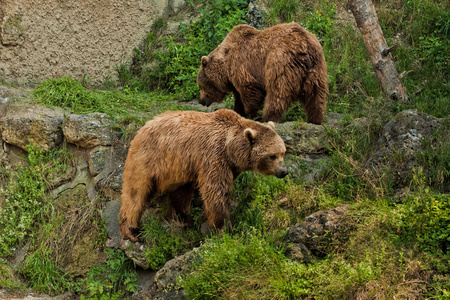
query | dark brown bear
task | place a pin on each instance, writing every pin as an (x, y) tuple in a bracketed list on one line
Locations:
[(177, 151), (273, 67)]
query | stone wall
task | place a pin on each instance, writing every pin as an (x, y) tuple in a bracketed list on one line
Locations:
[(41, 39)]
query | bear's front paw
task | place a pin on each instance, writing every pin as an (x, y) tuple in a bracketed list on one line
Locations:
[(130, 233)]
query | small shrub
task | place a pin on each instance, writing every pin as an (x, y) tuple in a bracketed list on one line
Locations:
[(321, 22)]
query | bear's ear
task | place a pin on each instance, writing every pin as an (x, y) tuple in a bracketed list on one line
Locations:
[(250, 134), (271, 125), (205, 60)]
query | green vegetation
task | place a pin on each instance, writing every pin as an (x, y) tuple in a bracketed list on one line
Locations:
[(26, 188), (124, 106), (393, 246), (43, 274), (166, 242), (112, 280), (245, 267), (8, 279)]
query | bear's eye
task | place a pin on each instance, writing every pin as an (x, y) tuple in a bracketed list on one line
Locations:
[(273, 157)]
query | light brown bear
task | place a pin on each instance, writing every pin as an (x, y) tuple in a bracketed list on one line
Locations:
[(273, 67), (177, 151)]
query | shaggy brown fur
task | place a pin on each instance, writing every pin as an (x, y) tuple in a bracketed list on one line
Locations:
[(273, 67), (177, 151)]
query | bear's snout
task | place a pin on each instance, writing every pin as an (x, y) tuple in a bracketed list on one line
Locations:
[(282, 171), (205, 101)]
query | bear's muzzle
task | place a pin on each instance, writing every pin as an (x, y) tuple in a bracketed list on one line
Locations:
[(282, 171), (205, 101)]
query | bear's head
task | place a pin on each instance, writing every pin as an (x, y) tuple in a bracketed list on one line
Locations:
[(212, 80), (258, 148)]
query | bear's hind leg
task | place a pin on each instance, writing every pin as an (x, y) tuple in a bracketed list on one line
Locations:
[(275, 105), (315, 107), (180, 203)]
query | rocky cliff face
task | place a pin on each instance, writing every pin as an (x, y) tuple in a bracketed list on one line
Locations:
[(46, 39)]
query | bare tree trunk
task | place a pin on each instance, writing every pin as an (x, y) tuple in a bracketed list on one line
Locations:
[(387, 74)]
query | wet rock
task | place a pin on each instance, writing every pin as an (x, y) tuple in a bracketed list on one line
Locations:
[(98, 158), (111, 218), (298, 252), (302, 138), (111, 184), (306, 146)]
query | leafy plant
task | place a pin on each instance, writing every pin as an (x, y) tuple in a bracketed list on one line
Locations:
[(321, 22), (112, 280), (425, 218)]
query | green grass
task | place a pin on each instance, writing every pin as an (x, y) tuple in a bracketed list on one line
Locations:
[(245, 267), (124, 106), (43, 273)]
